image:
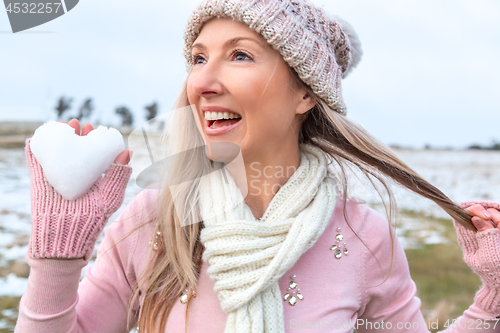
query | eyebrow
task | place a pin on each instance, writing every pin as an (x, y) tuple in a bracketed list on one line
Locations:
[(230, 42)]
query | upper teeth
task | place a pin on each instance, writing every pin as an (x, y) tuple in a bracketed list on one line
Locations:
[(210, 115)]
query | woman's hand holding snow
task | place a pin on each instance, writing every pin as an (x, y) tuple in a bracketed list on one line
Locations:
[(69, 229)]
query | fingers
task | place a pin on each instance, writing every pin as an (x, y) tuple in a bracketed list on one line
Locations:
[(482, 219), (86, 129), (124, 157), (495, 216), (75, 124), (481, 224), (479, 210)]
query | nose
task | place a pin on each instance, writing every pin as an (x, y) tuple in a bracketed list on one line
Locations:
[(206, 80)]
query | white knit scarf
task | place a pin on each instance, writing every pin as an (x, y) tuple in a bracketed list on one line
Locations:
[(247, 257)]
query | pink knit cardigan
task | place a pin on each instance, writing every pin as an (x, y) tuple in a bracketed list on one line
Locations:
[(339, 294)]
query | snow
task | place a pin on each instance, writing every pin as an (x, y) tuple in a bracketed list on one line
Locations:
[(72, 163), (12, 285), (462, 175)]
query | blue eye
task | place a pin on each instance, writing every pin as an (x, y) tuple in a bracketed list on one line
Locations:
[(195, 58), (236, 52)]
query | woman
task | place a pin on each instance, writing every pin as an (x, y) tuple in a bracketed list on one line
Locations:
[(261, 260)]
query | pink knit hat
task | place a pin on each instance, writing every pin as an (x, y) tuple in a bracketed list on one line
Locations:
[(321, 49)]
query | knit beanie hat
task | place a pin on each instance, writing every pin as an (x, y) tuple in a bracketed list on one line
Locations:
[(321, 49)]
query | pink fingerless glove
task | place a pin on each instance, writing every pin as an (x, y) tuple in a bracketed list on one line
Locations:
[(69, 229), (482, 253)]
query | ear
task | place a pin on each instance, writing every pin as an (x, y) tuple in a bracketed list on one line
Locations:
[(305, 104)]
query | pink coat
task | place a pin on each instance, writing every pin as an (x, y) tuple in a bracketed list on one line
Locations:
[(336, 297)]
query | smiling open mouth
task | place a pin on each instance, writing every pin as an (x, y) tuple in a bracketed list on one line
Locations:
[(222, 122), (221, 119)]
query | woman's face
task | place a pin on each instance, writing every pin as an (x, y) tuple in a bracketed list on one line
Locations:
[(235, 69)]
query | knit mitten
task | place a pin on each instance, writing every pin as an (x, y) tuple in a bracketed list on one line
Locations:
[(482, 253), (69, 229)]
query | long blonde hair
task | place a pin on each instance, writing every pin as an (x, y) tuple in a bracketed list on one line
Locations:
[(176, 264)]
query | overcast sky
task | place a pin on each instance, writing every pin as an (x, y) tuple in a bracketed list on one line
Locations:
[(430, 71)]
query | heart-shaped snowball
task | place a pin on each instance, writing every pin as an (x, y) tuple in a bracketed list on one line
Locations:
[(73, 163)]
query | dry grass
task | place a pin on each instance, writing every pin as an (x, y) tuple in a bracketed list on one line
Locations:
[(445, 284), (11, 305)]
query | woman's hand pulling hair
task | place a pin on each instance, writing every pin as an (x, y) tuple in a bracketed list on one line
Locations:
[(484, 218), (482, 251)]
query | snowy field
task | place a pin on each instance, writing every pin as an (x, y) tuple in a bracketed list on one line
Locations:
[(462, 175)]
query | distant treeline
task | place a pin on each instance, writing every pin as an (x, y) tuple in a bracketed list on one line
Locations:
[(63, 105), (493, 146)]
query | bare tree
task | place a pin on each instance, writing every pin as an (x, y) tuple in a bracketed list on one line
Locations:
[(63, 104), (127, 116), (151, 111), (85, 110)]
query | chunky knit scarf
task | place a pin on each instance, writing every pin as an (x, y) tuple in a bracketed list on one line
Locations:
[(247, 257)]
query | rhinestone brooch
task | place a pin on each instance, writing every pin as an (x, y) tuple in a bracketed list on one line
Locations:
[(156, 243), (337, 247), (293, 293), (185, 295)]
